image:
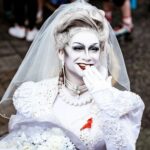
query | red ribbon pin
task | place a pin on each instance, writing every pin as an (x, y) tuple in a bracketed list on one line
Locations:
[(88, 124)]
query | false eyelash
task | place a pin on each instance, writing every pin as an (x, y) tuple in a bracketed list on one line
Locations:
[(78, 48)]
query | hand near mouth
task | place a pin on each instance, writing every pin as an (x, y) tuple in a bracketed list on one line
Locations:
[(94, 80), (97, 84)]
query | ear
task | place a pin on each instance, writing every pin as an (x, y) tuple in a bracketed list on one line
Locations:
[(61, 54)]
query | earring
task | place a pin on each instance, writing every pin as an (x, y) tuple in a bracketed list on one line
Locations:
[(61, 75), (63, 71), (62, 62)]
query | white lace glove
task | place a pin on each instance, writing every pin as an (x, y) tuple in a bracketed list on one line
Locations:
[(100, 89), (94, 80)]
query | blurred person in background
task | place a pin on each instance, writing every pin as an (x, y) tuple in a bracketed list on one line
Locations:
[(8, 6), (39, 15), (57, 3), (25, 19), (126, 26)]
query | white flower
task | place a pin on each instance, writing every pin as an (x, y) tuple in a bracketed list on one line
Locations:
[(36, 138)]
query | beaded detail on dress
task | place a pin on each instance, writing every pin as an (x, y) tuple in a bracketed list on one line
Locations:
[(92, 136), (111, 112)]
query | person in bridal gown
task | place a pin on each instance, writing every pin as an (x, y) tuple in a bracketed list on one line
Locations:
[(74, 77)]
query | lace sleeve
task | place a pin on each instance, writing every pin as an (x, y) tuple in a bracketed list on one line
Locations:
[(121, 118), (23, 99), (33, 101)]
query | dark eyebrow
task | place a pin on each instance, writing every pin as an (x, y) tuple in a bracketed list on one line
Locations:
[(91, 46)]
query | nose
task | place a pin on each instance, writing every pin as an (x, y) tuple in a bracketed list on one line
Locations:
[(87, 56)]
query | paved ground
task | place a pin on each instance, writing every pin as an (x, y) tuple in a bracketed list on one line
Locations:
[(136, 54)]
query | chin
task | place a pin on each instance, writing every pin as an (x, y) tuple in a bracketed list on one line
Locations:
[(78, 71), (75, 71)]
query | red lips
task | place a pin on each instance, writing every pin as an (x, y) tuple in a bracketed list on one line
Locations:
[(83, 66)]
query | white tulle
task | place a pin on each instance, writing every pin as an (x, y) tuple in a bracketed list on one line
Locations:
[(41, 61)]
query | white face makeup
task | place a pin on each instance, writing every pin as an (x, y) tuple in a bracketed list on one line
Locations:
[(82, 50)]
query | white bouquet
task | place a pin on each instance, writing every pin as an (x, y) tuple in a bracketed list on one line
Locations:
[(36, 138)]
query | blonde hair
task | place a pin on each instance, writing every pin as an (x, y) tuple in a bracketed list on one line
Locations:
[(81, 19)]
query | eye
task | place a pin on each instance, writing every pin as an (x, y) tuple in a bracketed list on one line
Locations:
[(78, 48), (94, 48)]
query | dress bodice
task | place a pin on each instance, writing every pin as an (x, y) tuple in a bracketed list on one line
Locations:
[(41, 102), (74, 117)]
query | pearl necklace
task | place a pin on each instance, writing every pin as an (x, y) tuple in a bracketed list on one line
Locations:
[(74, 88), (77, 100)]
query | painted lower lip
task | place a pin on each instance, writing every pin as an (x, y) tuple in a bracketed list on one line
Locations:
[(84, 67)]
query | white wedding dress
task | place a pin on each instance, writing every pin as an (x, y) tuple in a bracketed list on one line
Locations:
[(115, 123)]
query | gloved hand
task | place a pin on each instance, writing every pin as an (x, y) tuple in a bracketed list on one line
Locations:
[(98, 86), (94, 80), (101, 90)]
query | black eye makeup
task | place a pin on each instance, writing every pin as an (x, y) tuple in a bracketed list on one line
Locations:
[(79, 47), (94, 47)]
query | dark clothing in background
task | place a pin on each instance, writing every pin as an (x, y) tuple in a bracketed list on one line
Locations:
[(7, 5), (25, 9), (118, 3)]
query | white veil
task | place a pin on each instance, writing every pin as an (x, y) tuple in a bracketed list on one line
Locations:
[(42, 62)]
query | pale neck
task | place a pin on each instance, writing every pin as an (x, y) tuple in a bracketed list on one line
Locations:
[(76, 80)]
